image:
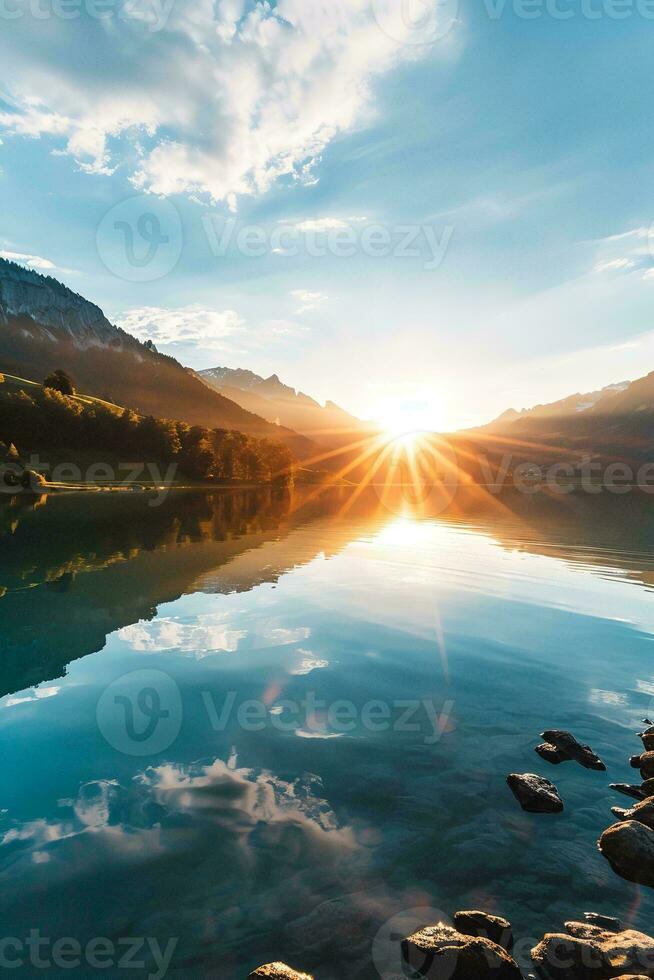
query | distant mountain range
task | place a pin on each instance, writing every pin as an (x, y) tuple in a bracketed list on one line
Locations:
[(329, 425), (44, 325), (616, 421)]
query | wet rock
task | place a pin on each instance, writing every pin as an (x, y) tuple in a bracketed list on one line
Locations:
[(648, 788), (643, 812), (583, 754), (606, 922), (440, 952), (551, 754), (485, 926), (561, 956), (629, 849), (279, 971), (647, 738), (645, 763), (535, 794), (635, 792)]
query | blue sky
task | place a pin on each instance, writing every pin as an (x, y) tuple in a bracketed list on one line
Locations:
[(468, 218)]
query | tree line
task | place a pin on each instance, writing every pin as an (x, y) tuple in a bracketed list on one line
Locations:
[(49, 419)]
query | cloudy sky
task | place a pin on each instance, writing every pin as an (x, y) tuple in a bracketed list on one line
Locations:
[(435, 209)]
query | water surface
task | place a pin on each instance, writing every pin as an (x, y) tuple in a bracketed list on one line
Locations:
[(344, 686)]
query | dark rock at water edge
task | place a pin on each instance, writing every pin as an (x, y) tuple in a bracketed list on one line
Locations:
[(535, 794), (606, 922), (551, 754), (629, 848), (567, 743), (485, 926), (635, 792), (587, 952), (440, 952), (279, 971), (643, 812)]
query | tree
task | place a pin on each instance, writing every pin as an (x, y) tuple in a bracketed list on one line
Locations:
[(60, 381)]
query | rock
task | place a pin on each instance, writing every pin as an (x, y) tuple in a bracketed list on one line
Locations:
[(564, 957), (643, 812), (551, 754), (279, 971), (583, 754), (645, 763), (635, 792), (648, 788), (485, 926), (647, 739), (440, 952), (534, 793), (606, 922), (629, 849)]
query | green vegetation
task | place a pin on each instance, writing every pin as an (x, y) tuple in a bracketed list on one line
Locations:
[(60, 381), (45, 418)]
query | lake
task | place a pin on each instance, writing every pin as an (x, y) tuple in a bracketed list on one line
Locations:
[(252, 726)]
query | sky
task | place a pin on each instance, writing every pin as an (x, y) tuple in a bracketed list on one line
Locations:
[(428, 211)]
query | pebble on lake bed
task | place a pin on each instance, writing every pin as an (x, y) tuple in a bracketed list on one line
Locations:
[(535, 794), (279, 971)]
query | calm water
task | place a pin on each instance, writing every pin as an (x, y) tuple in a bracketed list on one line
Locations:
[(264, 727)]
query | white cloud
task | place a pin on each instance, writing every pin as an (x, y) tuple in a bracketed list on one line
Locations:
[(309, 302), (635, 252), (33, 261), (191, 325), (219, 98)]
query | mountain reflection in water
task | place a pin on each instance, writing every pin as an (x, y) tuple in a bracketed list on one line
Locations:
[(249, 842)]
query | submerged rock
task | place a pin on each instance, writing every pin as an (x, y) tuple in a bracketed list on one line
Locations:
[(643, 812), (629, 849), (279, 971), (485, 926), (635, 792), (440, 952), (551, 754), (567, 743), (535, 794), (596, 956)]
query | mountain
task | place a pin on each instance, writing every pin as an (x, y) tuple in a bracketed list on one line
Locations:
[(277, 402), (616, 422), (44, 325), (573, 404)]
